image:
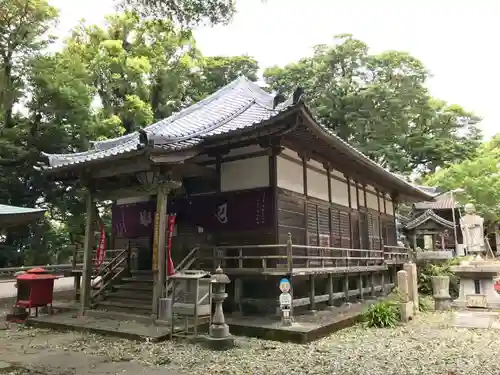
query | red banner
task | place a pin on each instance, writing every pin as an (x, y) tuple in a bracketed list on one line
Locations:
[(101, 248), (170, 232)]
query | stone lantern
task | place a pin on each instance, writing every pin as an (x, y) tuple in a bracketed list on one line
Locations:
[(219, 336)]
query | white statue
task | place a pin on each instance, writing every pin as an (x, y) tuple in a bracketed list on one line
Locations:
[(472, 230)]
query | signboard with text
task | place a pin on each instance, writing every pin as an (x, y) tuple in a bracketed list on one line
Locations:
[(155, 241)]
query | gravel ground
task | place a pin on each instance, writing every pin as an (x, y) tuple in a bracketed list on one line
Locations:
[(426, 345)]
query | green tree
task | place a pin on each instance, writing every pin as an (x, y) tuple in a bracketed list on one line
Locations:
[(185, 12), (214, 72), (139, 68), (103, 82), (380, 104), (478, 176), (23, 32)]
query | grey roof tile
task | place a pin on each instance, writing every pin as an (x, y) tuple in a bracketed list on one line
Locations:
[(236, 106), (443, 201), (428, 215)]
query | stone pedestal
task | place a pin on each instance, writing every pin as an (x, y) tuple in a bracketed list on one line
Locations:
[(477, 279), (441, 292)]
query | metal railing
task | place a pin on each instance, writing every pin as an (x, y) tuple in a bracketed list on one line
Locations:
[(57, 269), (111, 272)]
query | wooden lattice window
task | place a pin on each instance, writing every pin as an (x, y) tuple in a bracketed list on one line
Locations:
[(336, 235)]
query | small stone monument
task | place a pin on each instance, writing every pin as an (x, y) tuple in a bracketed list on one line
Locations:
[(411, 270), (219, 337), (405, 305), (441, 292)]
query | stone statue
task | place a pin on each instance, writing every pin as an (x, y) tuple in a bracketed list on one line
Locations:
[(472, 230)]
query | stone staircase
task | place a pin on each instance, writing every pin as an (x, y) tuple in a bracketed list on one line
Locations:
[(134, 294)]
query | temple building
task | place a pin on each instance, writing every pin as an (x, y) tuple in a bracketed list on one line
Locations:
[(433, 226), (257, 186)]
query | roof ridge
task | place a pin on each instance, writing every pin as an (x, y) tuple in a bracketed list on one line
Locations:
[(428, 214), (218, 124), (209, 99), (173, 117)]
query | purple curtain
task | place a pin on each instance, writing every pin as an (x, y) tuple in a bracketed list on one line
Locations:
[(134, 219), (229, 211)]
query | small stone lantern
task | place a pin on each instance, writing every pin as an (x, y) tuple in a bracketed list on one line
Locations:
[(219, 336)]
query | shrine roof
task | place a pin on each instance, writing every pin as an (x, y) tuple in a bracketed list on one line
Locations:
[(441, 202), (240, 105), (13, 215), (426, 216)]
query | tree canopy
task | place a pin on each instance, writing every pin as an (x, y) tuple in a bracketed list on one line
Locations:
[(185, 12), (380, 103), (105, 81), (479, 177)]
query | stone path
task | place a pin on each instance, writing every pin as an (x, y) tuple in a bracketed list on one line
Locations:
[(33, 355), (476, 319)]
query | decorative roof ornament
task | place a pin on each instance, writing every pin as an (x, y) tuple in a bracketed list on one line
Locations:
[(426, 216)]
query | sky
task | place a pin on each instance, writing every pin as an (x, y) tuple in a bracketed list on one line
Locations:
[(454, 39)]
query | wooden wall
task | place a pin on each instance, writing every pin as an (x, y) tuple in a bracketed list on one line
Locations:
[(320, 206)]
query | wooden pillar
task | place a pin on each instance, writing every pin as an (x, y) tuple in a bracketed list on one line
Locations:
[(382, 283), (360, 228), (349, 199), (330, 290), (289, 257), (312, 293), (87, 252), (160, 250), (372, 284), (360, 286), (306, 205), (346, 287), (238, 291)]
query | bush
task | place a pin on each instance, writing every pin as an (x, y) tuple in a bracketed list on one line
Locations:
[(383, 314), (443, 269), (425, 303)]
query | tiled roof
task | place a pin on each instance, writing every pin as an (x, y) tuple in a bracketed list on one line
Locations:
[(12, 215), (428, 215), (402, 219), (441, 202), (236, 106), (239, 105)]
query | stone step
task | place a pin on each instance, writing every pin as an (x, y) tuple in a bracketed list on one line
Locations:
[(121, 316), (139, 287), (135, 279), (128, 306), (130, 295), (142, 272)]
